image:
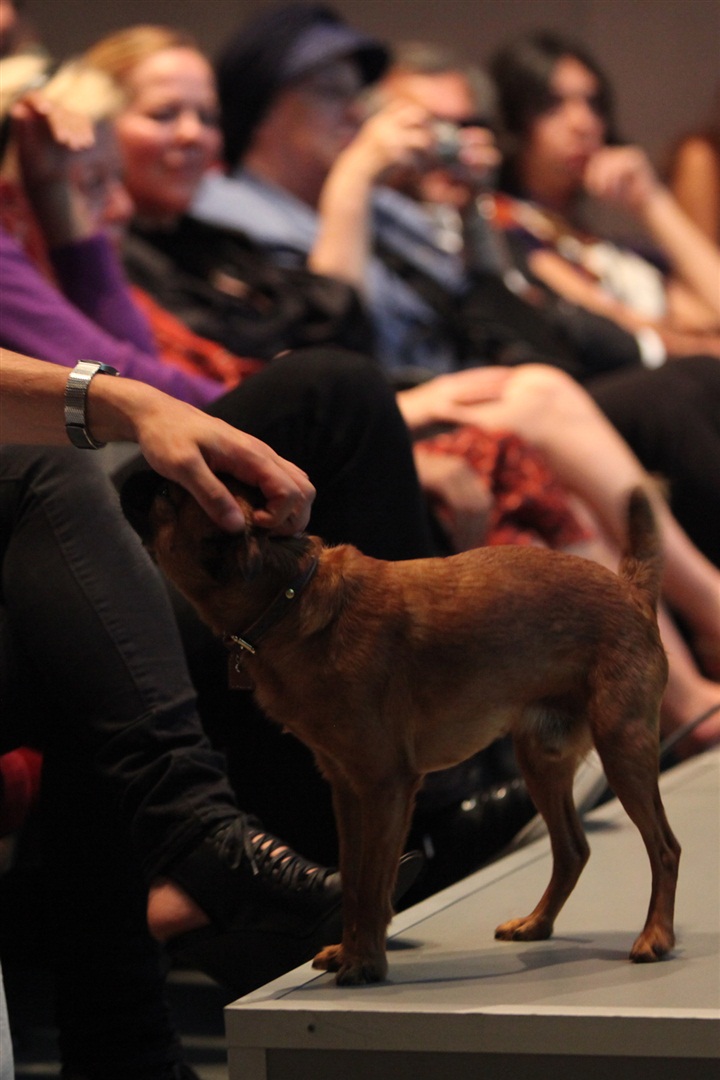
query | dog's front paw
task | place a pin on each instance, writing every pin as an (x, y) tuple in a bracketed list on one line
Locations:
[(531, 928), (652, 945), (351, 971), (362, 972), (329, 959)]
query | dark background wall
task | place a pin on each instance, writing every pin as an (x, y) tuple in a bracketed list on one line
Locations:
[(663, 55)]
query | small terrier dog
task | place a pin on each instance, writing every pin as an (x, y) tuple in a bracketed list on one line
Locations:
[(391, 670)]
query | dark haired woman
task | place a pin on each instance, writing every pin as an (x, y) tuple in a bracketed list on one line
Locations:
[(557, 113)]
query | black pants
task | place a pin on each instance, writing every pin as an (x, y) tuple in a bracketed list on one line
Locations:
[(98, 681), (671, 419)]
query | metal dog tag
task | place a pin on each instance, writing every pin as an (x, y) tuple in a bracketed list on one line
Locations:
[(238, 677)]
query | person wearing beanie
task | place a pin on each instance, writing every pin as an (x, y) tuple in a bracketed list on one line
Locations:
[(303, 163), (278, 47)]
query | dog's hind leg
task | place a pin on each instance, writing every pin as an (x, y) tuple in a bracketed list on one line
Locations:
[(629, 757), (550, 783)]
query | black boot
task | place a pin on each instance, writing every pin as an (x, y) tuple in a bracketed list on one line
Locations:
[(271, 909), (241, 867)]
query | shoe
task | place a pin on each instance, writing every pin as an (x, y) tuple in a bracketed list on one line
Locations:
[(242, 866), (292, 909), (459, 840)]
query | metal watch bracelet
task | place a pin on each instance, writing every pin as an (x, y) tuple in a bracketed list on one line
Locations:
[(76, 403)]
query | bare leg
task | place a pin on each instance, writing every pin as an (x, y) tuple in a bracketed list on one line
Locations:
[(554, 413), (688, 693)]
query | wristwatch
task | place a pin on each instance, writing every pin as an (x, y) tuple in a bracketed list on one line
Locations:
[(76, 402)]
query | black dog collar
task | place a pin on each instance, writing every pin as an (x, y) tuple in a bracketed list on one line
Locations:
[(247, 641)]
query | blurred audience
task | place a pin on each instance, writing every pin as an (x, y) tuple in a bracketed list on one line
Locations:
[(163, 111), (263, 195), (439, 237), (220, 285)]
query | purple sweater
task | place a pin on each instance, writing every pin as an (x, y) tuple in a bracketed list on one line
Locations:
[(95, 319)]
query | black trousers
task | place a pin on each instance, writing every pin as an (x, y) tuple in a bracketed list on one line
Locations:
[(97, 678), (671, 419)]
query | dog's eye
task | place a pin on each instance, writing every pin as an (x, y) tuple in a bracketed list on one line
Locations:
[(163, 492), (216, 556)]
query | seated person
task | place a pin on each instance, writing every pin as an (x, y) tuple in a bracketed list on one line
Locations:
[(132, 795), (556, 113)]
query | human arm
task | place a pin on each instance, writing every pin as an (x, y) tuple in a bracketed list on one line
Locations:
[(624, 175), (394, 136), (70, 177), (177, 440), (695, 183), (38, 320)]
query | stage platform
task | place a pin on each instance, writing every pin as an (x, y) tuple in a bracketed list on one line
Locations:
[(461, 1006)]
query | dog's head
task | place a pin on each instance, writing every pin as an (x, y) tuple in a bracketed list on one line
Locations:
[(226, 576)]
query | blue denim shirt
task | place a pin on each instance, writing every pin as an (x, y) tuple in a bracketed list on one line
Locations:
[(408, 332)]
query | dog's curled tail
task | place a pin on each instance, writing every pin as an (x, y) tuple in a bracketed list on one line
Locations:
[(642, 561)]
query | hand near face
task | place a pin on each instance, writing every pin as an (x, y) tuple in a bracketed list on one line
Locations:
[(47, 136), (621, 175), (398, 135), (70, 170)]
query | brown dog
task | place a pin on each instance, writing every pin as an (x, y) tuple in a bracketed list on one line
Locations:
[(389, 671)]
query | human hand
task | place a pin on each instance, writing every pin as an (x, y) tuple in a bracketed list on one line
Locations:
[(47, 136), (458, 182), (460, 499), (398, 135), (56, 151), (193, 452), (186, 445), (453, 398), (623, 175)]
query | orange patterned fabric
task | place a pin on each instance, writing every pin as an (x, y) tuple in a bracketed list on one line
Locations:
[(530, 505), (197, 355)]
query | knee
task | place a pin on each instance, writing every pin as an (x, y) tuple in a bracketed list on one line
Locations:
[(348, 381), (549, 394), (333, 365)]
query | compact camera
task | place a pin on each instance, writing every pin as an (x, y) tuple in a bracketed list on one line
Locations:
[(447, 141)]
